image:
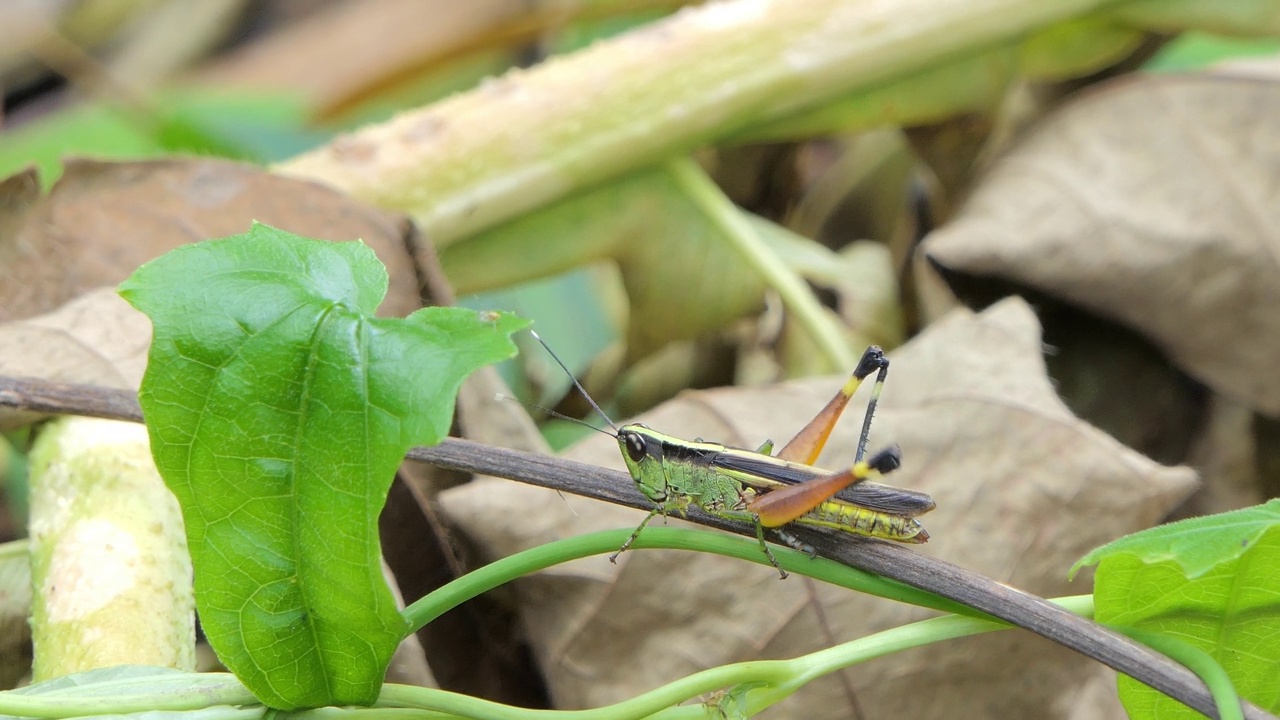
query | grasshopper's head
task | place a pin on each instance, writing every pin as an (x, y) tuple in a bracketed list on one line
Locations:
[(642, 451)]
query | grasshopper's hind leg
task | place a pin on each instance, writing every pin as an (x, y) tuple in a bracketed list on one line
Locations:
[(659, 509), (746, 517), (874, 357), (808, 443), (779, 507)]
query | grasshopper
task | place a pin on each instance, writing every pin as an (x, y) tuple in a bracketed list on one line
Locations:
[(771, 491)]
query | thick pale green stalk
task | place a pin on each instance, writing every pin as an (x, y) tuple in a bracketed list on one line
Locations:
[(109, 562), (521, 141), (737, 231)]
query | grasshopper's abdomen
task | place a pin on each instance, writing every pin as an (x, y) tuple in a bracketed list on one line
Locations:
[(863, 521)]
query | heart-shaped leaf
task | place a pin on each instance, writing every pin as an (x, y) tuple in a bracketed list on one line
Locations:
[(278, 408), (1208, 582)]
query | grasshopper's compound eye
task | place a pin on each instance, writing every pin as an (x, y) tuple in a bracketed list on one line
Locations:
[(634, 444)]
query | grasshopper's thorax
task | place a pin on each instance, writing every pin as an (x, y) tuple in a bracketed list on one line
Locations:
[(642, 451)]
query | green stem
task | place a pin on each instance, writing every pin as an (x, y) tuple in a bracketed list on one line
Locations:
[(371, 713), (733, 223), (111, 574), (509, 568), (925, 632), (762, 683), (919, 633), (655, 702), (756, 684)]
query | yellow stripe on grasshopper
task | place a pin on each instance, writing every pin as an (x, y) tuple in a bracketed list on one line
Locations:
[(860, 520)]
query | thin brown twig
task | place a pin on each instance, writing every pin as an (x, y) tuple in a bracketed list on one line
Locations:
[(885, 559)]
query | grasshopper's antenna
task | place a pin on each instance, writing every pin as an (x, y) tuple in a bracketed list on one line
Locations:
[(576, 384), (549, 411)]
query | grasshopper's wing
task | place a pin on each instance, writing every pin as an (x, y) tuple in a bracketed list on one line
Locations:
[(764, 472), (888, 499)]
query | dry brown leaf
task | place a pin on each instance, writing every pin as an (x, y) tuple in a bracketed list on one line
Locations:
[(19, 194), (1155, 202), (1023, 490), (1266, 67), (409, 662), (104, 219), (383, 42), (96, 339)]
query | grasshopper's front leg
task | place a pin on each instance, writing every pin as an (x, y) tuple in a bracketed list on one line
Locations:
[(679, 505), (741, 516), (660, 509), (764, 547)]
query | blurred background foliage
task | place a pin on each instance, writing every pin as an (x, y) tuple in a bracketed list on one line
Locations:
[(635, 282), (263, 81), (837, 197)]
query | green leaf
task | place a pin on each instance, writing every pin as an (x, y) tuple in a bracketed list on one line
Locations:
[(278, 409), (1191, 51), (235, 125), (1209, 582), (1197, 545)]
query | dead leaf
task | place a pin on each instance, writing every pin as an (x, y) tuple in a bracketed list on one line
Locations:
[(104, 219), (384, 42), (409, 662), (96, 339), (1023, 490), (19, 193), (1154, 202)]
